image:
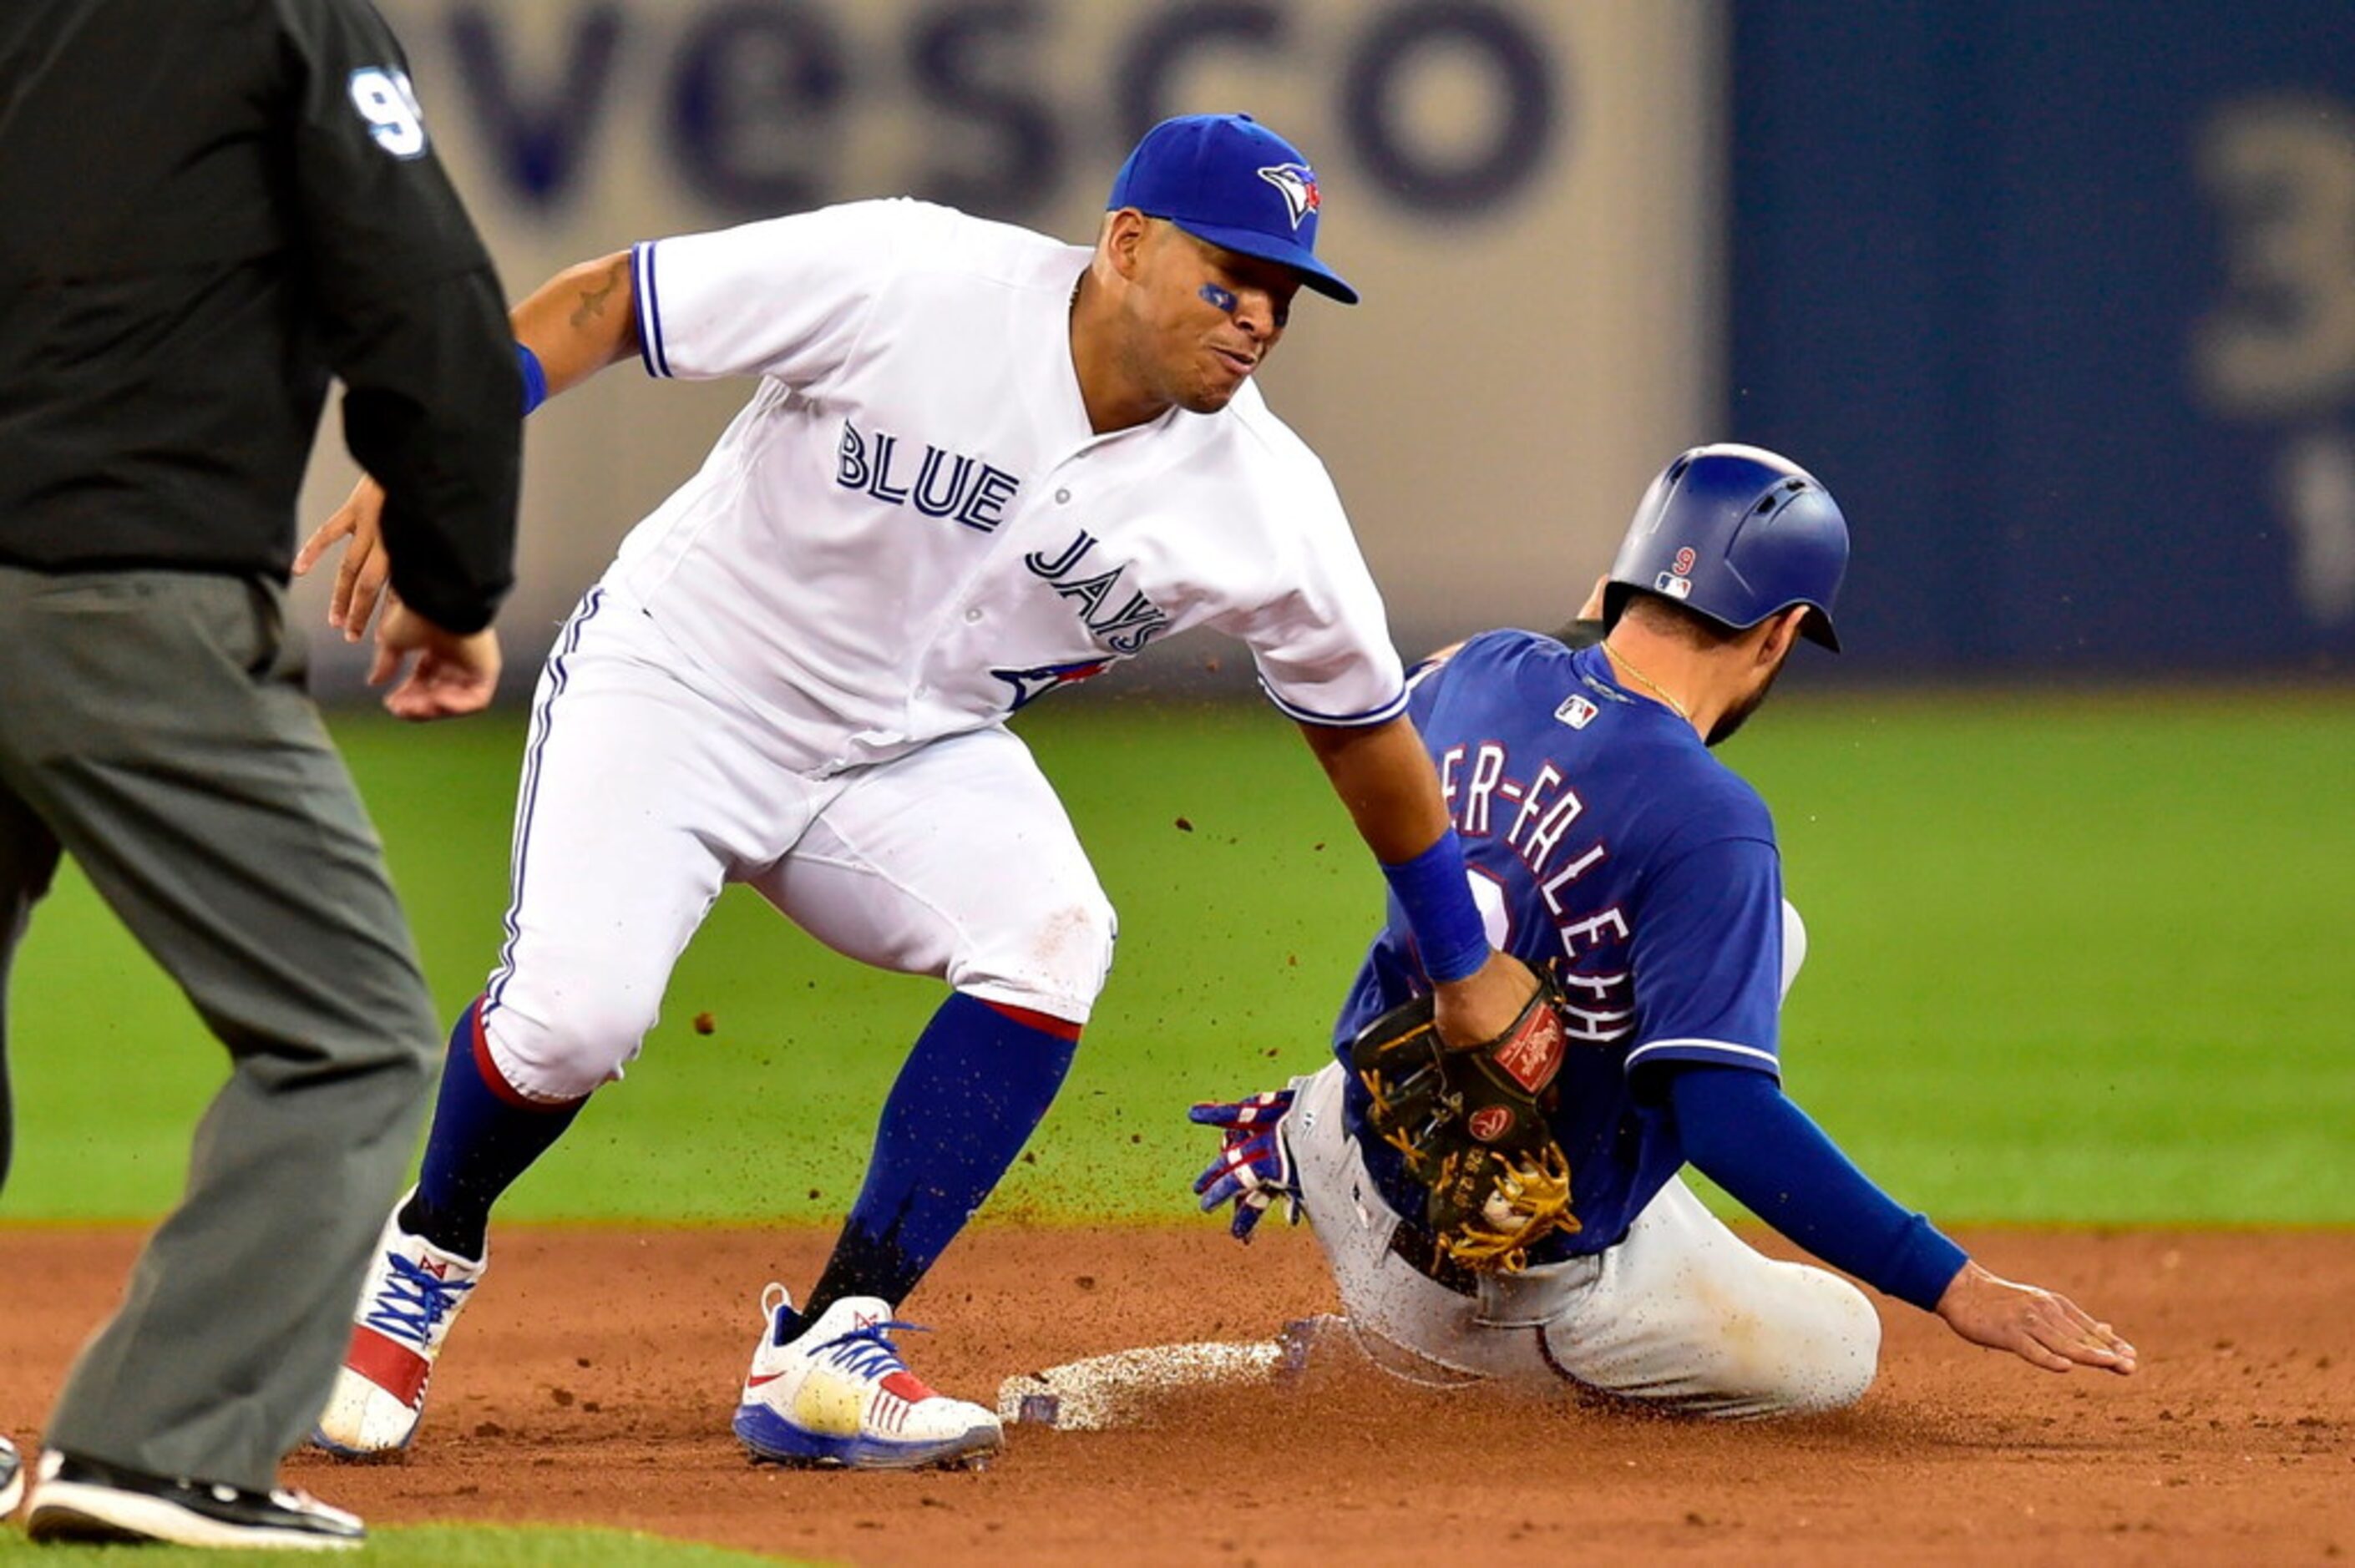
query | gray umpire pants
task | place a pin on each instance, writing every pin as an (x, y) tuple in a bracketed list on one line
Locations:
[(153, 725)]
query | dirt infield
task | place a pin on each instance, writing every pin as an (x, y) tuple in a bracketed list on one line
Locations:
[(593, 1383)]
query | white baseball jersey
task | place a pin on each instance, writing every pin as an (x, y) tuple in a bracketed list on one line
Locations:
[(912, 530)]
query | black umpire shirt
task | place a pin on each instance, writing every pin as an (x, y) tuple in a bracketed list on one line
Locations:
[(206, 208)]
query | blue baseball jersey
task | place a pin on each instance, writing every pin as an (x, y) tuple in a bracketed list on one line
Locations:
[(1604, 843)]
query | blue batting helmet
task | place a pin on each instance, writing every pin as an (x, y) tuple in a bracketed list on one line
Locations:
[(1734, 533)]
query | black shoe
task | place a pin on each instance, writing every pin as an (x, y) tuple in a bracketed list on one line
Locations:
[(85, 1501), (12, 1478)]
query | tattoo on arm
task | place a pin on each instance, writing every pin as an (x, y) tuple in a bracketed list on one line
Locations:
[(593, 300)]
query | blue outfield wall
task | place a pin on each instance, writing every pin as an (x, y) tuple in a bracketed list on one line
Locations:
[(2061, 302)]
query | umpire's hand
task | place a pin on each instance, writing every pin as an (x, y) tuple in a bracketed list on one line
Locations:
[(453, 674), (360, 577)]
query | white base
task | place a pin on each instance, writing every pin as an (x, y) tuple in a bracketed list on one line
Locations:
[(1118, 1389)]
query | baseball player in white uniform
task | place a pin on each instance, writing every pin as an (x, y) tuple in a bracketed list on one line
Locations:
[(978, 464)]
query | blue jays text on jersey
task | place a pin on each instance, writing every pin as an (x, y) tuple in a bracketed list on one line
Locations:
[(1606, 844), (1125, 630), (912, 524), (941, 484)]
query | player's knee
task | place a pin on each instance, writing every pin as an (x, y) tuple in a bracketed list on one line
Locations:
[(1056, 960), (1081, 937), (1836, 1352), (563, 1053)]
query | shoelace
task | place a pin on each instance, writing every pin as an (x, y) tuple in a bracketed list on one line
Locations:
[(412, 1301), (867, 1353)]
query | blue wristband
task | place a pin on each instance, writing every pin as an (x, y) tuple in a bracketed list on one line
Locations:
[(534, 378), (1448, 930)]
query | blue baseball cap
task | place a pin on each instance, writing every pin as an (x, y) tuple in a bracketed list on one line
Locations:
[(1230, 180)]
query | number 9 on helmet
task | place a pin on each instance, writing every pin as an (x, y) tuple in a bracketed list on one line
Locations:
[(1734, 533)]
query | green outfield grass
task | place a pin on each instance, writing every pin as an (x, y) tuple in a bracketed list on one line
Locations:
[(2074, 959)]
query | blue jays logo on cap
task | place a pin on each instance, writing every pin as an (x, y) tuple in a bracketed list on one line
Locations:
[(1298, 183), (1230, 180)]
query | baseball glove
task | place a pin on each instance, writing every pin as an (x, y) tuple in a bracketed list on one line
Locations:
[(1471, 1123)]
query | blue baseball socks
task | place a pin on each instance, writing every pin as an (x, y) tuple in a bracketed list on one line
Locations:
[(484, 1136), (980, 1078)]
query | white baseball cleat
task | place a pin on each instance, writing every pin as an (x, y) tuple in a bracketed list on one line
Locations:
[(836, 1394), (415, 1293), (12, 1478)]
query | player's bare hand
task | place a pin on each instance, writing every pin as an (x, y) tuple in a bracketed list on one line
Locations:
[(2040, 1327), (452, 675), (359, 577), (1486, 1004)]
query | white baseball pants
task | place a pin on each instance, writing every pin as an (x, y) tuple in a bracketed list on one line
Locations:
[(1680, 1315), (647, 786)]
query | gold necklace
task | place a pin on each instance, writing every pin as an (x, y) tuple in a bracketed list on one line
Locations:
[(1658, 690)]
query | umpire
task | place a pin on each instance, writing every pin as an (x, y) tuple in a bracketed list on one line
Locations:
[(211, 206)]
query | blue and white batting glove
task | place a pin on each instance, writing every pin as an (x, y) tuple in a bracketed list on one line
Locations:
[(1253, 1166)]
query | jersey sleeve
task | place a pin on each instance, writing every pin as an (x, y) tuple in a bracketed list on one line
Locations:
[(1321, 640), (411, 313), (786, 297), (1707, 952), (1740, 1133)]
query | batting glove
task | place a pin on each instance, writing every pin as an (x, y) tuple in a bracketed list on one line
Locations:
[(1253, 1166)]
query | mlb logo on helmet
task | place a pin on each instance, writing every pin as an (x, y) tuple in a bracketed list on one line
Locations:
[(1211, 175), (1673, 585)]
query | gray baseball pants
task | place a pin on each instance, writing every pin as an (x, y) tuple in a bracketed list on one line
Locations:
[(153, 725), (1680, 1315)]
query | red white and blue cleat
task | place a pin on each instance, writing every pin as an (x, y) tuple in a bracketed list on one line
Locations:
[(12, 1478), (415, 1293), (835, 1393)]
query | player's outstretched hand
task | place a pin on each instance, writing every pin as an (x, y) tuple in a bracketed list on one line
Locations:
[(452, 675), (359, 578), (1253, 1166), (2040, 1327)]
